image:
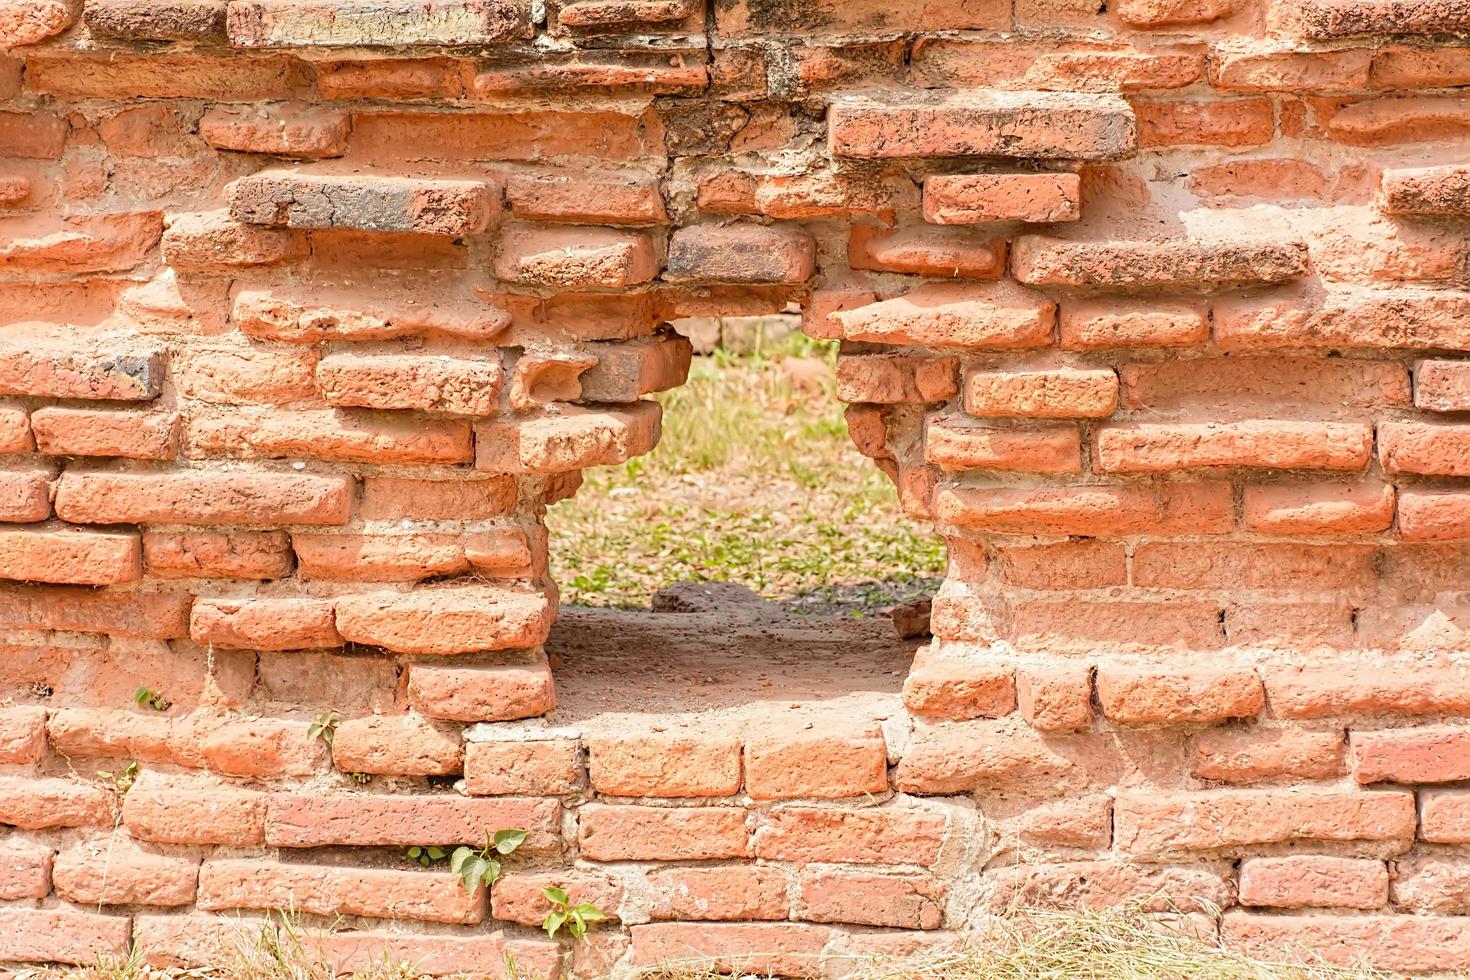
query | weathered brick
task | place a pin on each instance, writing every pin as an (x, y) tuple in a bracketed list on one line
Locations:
[(977, 198), (1313, 881), (991, 317), (827, 762), (665, 764), (314, 23), (444, 620), (567, 438), (1424, 448), (39, 370), (69, 555), (949, 253), (149, 20), (62, 936), (184, 497), (247, 555), (136, 875), (1442, 386), (1033, 125), (861, 898), (22, 735), (1087, 510), (226, 883), (1387, 942), (361, 202), (490, 693), (770, 948), (1100, 884), (956, 444), (25, 871), (1434, 516), (1261, 443), (172, 810), (731, 892), (1140, 695), (1059, 394), (215, 240), (375, 820), (895, 834), (1251, 755), (35, 804), (969, 756), (1444, 816), (105, 432), (1430, 754), (1155, 825), (1038, 260), (534, 767), (638, 833), (740, 253), (398, 745)]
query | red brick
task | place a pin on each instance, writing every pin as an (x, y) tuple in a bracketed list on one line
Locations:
[(38, 803), (446, 620), (175, 20), (226, 883), (1319, 509), (1434, 516), (1240, 386), (361, 202), (1330, 19), (1424, 448), (464, 498), (282, 129), (1406, 119), (955, 445), (741, 253), (1043, 261), (1100, 884), (1268, 444), (1442, 386), (639, 833), (376, 820), (15, 430), (98, 432), (894, 834), (965, 757), (1148, 825), (489, 693), (992, 317), (950, 253), (570, 439), (246, 375), (1444, 816), (1268, 70), (1389, 942), (731, 892), (512, 135), (215, 240), (31, 367), (62, 936), (1172, 13), (250, 555), (1057, 394), (1251, 755), (893, 379), (25, 871), (825, 762), (184, 497), (1101, 324), (124, 76), (1140, 695), (576, 258), (69, 555), (398, 745), (1388, 688), (264, 747), (1440, 191), (977, 198), (306, 315), (22, 735), (1065, 565), (1055, 698), (348, 436), (518, 897), (867, 899), (1041, 65), (136, 875), (32, 136), (800, 196), (1084, 822), (1432, 883), (1429, 754), (1229, 122), (171, 810), (958, 689), (264, 624), (153, 615), (1406, 318), (740, 18), (590, 197), (1396, 66), (535, 767), (664, 764), (1098, 510), (1221, 565), (1313, 881), (1043, 126), (457, 386), (786, 949)]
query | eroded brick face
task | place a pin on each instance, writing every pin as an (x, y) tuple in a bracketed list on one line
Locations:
[(1157, 310)]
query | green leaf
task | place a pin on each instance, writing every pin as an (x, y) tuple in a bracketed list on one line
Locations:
[(437, 853), (507, 841), (459, 857), (492, 871), (472, 871), (578, 928), (553, 921), (589, 912), (415, 852), (140, 695), (555, 896)]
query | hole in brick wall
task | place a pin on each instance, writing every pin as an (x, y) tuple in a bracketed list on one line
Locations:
[(753, 548)]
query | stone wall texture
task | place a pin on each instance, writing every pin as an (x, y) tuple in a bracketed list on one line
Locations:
[(1157, 309)]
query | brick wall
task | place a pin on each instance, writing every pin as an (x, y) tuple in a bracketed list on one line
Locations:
[(1155, 308)]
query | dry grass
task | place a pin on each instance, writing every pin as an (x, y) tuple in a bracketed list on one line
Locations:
[(1116, 944), (754, 481)]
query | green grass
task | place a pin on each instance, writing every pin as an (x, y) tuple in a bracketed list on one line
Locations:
[(754, 481)]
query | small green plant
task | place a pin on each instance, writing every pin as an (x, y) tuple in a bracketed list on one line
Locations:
[(360, 778), (121, 781), (474, 865), (427, 855), (563, 913), (325, 726), (145, 697)]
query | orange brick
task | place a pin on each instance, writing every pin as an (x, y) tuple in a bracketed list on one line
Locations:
[(638, 833), (823, 763), (665, 764)]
